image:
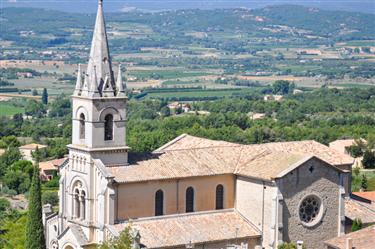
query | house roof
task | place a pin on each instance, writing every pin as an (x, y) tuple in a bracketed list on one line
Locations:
[(188, 156), (362, 239), (360, 210), (32, 146), (333, 157), (370, 195), (52, 164), (199, 227)]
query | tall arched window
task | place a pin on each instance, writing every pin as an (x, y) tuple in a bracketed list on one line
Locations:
[(189, 200), (77, 210), (159, 202), (108, 127), (219, 196), (82, 205), (82, 126)]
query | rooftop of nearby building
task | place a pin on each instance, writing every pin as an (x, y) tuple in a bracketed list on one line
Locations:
[(347, 142), (360, 210), (188, 156), (52, 164), (362, 239), (369, 195), (32, 146), (199, 227)]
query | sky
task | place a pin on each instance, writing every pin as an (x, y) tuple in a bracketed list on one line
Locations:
[(88, 6)]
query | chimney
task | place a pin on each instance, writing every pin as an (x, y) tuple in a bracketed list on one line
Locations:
[(349, 243), (299, 244)]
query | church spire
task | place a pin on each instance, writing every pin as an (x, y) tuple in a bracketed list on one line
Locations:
[(99, 54)]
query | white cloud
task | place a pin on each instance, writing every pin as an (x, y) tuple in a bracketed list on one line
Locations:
[(12, 1), (126, 8)]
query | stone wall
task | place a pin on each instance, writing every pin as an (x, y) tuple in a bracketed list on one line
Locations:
[(254, 200), (317, 178)]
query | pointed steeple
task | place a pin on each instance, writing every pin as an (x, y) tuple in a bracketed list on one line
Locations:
[(99, 54), (78, 88), (119, 85)]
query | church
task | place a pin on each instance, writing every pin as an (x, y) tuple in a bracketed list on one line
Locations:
[(192, 192)]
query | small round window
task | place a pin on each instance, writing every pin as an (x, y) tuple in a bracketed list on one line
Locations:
[(310, 210)]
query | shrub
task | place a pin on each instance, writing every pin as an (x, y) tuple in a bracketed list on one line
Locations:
[(50, 197), (357, 225)]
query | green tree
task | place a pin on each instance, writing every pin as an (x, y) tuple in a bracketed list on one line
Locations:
[(34, 227), (357, 224), (11, 156), (165, 111), (45, 96), (364, 183), (34, 92), (368, 160), (124, 241), (50, 197), (35, 108), (13, 231), (282, 87)]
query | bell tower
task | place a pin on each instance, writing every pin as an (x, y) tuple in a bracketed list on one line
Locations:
[(99, 104)]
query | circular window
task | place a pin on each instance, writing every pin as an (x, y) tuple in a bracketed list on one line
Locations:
[(310, 210)]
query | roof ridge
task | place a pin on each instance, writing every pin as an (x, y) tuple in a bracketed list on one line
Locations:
[(160, 149), (254, 157)]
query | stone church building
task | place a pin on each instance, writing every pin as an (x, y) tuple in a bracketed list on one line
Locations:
[(191, 192)]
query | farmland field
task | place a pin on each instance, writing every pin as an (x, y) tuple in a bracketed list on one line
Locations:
[(9, 110)]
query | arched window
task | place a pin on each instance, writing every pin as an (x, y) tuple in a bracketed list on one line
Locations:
[(76, 204), (189, 200), (108, 127), (83, 205), (82, 126), (159, 202), (219, 196)]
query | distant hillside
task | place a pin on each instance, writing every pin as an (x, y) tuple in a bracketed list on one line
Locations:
[(291, 23), (367, 6)]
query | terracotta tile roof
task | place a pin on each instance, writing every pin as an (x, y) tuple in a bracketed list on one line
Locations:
[(32, 146), (362, 239), (270, 166), (52, 164), (358, 209), (185, 141), (178, 164), (370, 195), (199, 227), (188, 156)]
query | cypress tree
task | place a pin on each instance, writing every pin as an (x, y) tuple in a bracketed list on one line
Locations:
[(45, 96), (34, 227)]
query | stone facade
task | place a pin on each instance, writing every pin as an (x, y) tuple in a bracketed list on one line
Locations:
[(315, 177)]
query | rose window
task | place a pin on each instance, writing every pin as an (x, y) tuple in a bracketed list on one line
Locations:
[(309, 209)]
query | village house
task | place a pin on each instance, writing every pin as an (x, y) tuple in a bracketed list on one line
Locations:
[(273, 97), (190, 191), (174, 106), (343, 145), (27, 150), (50, 169)]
